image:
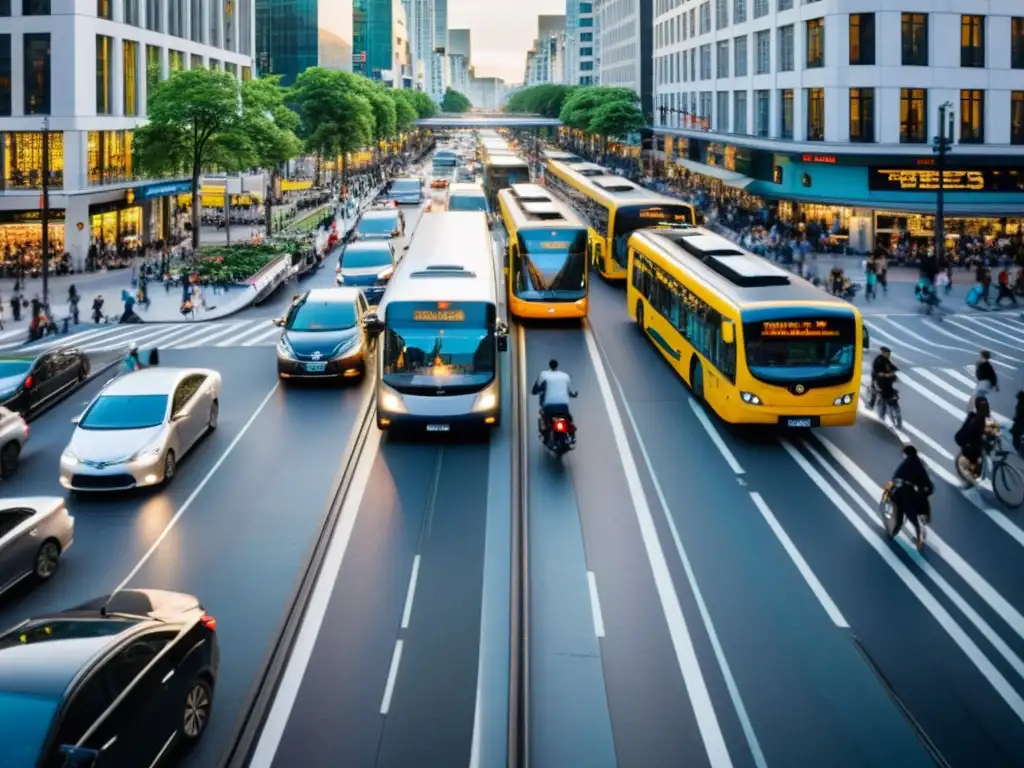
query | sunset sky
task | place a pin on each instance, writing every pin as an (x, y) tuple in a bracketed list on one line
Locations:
[(502, 31)]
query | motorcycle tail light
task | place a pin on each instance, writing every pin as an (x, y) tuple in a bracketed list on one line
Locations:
[(561, 425), (209, 622), (28, 382)]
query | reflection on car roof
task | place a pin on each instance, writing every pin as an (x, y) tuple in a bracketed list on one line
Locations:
[(151, 381), (339, 294), (380, 213), (368, 245)]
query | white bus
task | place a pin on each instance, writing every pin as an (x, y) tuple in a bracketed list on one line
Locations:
[(438, 331)]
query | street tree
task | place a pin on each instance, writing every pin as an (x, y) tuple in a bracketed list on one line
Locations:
[(616, 120), (196, 120), (405, 111), (455, 102), (545, 100)]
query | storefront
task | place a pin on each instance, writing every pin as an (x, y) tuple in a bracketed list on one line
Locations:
[(23, 231), (115, 223), (160, 207)]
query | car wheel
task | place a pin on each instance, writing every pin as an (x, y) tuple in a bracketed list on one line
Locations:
[(47, 560), (83, 372), (10, 457), (170, 465), (214, 415), (196, 710)]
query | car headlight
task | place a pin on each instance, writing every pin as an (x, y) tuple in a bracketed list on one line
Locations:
[(391, 403), (750, 398), (485, 401), (284, 349), (843, 399), (69, 457), (347, 347)]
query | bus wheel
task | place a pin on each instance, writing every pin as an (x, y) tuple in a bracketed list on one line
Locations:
[(640, 316), (697, 379)]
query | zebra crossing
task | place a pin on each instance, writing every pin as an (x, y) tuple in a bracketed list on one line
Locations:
[(244, 333)]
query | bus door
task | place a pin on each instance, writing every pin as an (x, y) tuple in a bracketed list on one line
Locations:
[(595, 254)]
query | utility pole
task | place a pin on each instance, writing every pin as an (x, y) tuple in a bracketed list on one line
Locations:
[(941, 146), (46, 210)]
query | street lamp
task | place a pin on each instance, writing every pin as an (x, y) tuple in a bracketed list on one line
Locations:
[(941, 146), (46, 210)]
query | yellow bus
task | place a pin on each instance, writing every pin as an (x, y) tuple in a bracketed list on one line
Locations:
[(614, 208), (756, 343), (563, 157), (501, 172), (546, 256)]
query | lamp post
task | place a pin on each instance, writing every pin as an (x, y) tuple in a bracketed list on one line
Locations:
[(46, 210), (941, 146)]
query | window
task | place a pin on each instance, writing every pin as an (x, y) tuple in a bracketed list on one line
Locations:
[(762, 113), (586, 51), (176, 17), (175, 61), (6, 102), (815, 114), (586, 37), (760, 8), (972, 41), (721, 14), (786, 115), (37, 74), (131, 12), (705, 17), (739, 112), (1017, 42), (815, 43), (914, 34), (705, 62), (105, 9), (913, 115), (1017, 118), (785, 46), (35, 7), (739, 11), (23, 159), (862, 115), (104, 74), (214, 38), (229, 26), (785, 5), (705, 106), (763, 46), (154, 69), (739, 55), (722, 112), (5, 7), (247, 71), (722, 64), (862, 39), (972, 117), (130, 65), (586, 7), (154, 19)]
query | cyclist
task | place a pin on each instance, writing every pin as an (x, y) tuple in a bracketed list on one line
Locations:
[(883, 377), (912, 487), (973, 432)]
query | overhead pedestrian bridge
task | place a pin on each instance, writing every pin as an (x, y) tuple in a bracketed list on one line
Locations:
[(489, 120)]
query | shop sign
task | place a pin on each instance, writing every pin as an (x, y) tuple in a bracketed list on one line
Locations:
[(149, 191), (30, 217), (894, 179), (819, 159), (114, 205)]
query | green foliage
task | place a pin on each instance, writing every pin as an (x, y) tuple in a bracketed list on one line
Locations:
[(235, 263), (455, 102), (269, 123), (582, 104), (422, 103), (334, 116), (405, 111), (544, 100), (617, 119)]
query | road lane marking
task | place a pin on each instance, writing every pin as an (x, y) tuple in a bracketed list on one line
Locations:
[(204, 337), (411, 592), (263, 337), (984, 336), (935, 327), (885, 333), (801, 565), (682, 642), (389, 686), (595, 605), (997, 331), (198, 489), (319, 601), (924, 373), (921, 338), (716, 438), (257, 327), (953, 373), (981, 662)]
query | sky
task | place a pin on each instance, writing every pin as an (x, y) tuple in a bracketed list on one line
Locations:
[(501, 32)]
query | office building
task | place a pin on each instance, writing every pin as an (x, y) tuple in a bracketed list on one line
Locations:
[(459, 54), (85, 78), (439, 58), (832, 109), (626, 56), (544, 60), (381, 42), (487, 93), (579, 45), (294, 35)]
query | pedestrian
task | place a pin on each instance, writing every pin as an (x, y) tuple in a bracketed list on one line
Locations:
[(16, 308), (1005, 292), (97, 309), (73, 299), (985, 374), (154, 357)]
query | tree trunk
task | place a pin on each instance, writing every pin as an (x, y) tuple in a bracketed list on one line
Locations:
[(197, 203), (318, 169)]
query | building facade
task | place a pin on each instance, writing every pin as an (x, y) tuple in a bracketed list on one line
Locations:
[(488, 93), (579, 45), (439, 58), (294, 35), (545, 59), (832, 109), (460, 51), (83, 78), (626, 28), (421, 31), (381, 42)]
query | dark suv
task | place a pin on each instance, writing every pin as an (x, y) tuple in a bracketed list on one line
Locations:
[(123, 680)]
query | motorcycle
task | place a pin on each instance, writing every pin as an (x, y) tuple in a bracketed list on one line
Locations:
[(561, 436)]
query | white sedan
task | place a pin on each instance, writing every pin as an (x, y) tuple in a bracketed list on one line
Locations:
[(34, 533), (139, 426)]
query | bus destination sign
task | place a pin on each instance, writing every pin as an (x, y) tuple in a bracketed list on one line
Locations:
[(438, 315), (662, 215), (798, 329)]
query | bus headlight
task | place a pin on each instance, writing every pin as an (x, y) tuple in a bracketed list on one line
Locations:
[(485, 402), (750, 398), (843, 400), (391, 403)]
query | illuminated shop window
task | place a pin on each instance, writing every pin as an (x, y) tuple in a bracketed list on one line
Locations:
[(23, 160)]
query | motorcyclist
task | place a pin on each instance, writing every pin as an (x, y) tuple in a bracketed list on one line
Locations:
[(912, 488), (131, 360), (554, 388), (883, 376), (971, 435)]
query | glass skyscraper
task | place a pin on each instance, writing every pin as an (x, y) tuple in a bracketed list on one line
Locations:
[(293, 35)]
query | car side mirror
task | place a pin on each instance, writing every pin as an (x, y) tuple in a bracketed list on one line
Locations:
[(501, 329), (372, 323), (279, 321), (77, 420), (79, 757)]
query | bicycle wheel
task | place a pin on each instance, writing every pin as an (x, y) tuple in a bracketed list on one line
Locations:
[(895, 415), (1008, 484), (963, 469), (892, 519)]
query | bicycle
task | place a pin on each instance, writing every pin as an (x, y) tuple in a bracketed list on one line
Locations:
[(888, 408), (1007, 481), (893, 519)]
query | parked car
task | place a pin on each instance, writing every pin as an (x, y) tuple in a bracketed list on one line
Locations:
[(31, 383), (14, 432), (123, 680), (35, 532)]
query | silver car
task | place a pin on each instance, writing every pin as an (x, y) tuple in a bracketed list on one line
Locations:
[(14, 432), (34, 533), (138, 428)]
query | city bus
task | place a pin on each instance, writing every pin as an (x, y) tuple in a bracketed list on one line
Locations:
[(614, 208), (502, 172), (546, 256), (559, 156), (756, 343), (439, 336)]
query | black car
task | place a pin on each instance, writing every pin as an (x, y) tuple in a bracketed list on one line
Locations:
[(30, 383), (379, 223), (367, 265), (123, 680), (323, 336)]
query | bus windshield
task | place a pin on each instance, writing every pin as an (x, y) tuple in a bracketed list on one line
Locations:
[(439, 346), (553, 265), (819, 351), (629, 218)]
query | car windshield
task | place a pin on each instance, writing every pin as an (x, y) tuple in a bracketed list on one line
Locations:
[(24, 724), (807, 349), (405, 185), (360, 258), (321, 316), (125, 412), (14, 367), (377, 225), (467, 203)]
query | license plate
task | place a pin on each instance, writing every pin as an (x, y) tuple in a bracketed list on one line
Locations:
[(438, 427), (798, 423), (316, 367)]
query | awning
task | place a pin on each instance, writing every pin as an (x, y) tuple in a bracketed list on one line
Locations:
[(730, 178), (958, 209)]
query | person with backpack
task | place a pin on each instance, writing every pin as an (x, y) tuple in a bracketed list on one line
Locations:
[(1005, 291)]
